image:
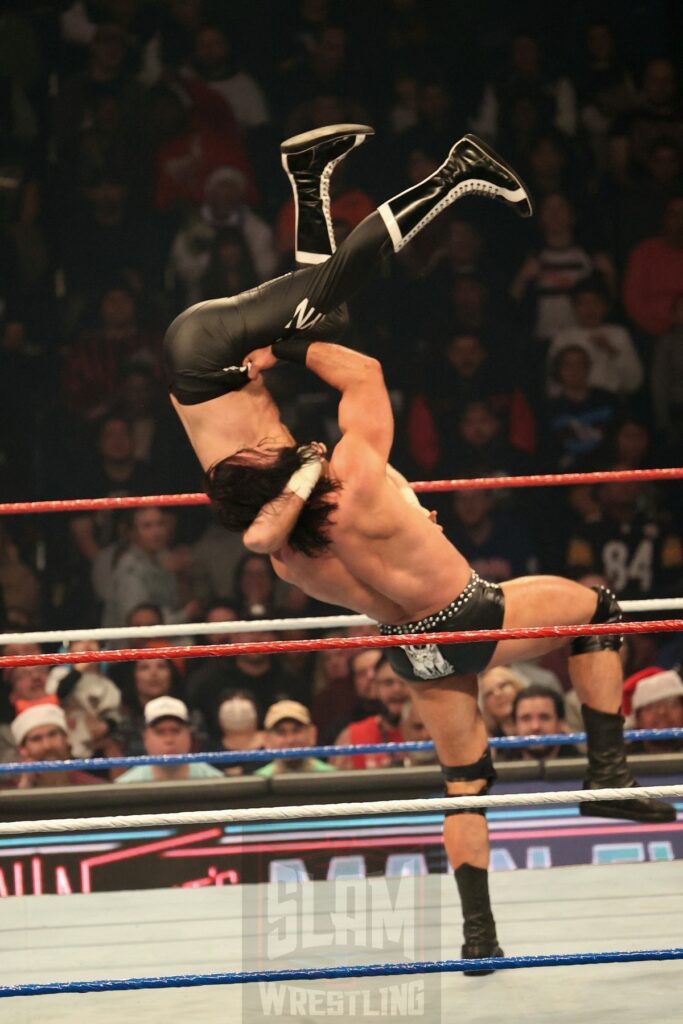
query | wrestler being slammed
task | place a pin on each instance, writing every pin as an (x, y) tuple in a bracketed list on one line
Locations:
[(348, 530), (223, 410)]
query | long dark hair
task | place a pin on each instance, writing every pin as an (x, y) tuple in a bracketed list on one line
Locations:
[(240, 485)]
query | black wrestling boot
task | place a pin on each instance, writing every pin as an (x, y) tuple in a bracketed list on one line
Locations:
[(309, 160), (471, 169), (479, 929), (607, 769)]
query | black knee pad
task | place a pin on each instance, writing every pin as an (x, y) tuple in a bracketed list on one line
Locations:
[(481, 769), (608, 610)]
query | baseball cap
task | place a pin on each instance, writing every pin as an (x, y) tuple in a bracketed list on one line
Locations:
[(662, 686), (38, 714), (166, 707), (225, 173), (237, 713), (287, 709)]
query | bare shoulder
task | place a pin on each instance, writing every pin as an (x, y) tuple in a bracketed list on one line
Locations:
[(359, 467), (280, 567)]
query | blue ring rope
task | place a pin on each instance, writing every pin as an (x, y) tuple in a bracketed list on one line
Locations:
[(497, 963), (243, 757)]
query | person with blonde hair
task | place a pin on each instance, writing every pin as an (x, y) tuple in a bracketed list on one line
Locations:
[(498, 688)]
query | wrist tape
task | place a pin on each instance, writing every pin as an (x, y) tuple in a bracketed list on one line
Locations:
[(304, 479)]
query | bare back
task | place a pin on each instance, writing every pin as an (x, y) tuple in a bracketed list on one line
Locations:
[(239, 419), (387, 559)]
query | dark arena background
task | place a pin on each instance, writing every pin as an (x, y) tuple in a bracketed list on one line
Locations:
[(141, 174)]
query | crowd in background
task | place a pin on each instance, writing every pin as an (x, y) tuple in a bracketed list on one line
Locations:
[(140, 173)]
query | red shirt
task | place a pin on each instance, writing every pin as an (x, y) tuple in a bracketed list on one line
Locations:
[(373, 730), (653, 279)]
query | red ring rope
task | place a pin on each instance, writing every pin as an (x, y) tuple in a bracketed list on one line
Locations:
[(483, 483), (341, 643)]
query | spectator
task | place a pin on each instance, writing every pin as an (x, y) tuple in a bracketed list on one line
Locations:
[(215, 64), (614, 363), (498, 688), (539, 711), (140, 574), (156, 442), (297, 666), (171, 44), (19, 585), (26, 684), (363, 665), (413, 730), (24, 396), (112, 471), (654, 273), (18, 684), (215, 557), (658, 114), (322, 71), (148, 679), (193, 133), (254, 583), (109, 141), (258, 672), (108, 470), (288, 724), (34, 260), (383, 727), (106, 74), (167, 731), (224, 208), (238, 721), (95, 364), (472, 307), (667, 380), (403, 112), (496, 544), (107, 239), (143, 614), (635, 211), (230, 269), (482, 441), (91, 702), (630, 445), (40, 733), (464, 372), (656, 702), (640, 555), (333, 690), (551, 166), (579, 418), (605, 87), (526, 78), (220, 611), (549, 276)]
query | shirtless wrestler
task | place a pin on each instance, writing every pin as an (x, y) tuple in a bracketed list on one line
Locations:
[(358, 543), (261, 489)]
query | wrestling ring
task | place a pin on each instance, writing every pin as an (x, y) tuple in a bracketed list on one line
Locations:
[(219, 953)]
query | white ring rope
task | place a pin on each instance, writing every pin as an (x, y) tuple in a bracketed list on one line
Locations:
[(243, 814), (184, 629)]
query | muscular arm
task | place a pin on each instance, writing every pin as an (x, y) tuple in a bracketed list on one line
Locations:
[(359, 379), (365, 417)]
